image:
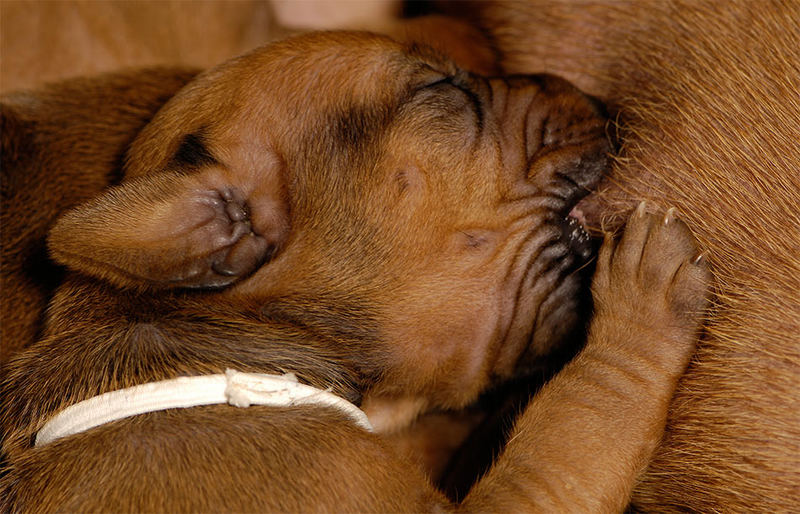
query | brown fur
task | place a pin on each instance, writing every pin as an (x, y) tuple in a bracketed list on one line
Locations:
[(707, 95), (61, 145), (82, 127), (45, 41), (403, 245)]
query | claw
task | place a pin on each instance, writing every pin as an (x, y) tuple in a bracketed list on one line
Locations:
[(641, 209), (699, 259), (669, 217)]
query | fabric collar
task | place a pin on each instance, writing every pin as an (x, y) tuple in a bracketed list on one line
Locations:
[(232, 387)]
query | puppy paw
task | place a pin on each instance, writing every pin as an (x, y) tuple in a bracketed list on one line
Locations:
[(653, 284), (221, 244)]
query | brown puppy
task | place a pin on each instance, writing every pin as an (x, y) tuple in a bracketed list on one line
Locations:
[(707, 95), (65, 142), (369, 217)]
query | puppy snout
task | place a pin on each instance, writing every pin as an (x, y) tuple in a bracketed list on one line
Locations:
[(559, 132), (547, 125), (572, 116)]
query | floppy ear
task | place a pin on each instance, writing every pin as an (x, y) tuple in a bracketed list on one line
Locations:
[(60, 145), (174, 229)]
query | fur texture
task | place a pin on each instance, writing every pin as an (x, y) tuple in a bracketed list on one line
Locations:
[(709, 112), (420, 253), (48, 41), (61, 145)]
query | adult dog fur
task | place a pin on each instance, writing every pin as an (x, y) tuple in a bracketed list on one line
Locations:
[(48, 41), (707, 95), (367, 216)]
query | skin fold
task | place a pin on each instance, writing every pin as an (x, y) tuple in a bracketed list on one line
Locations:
[(362, 213), (705, 98)]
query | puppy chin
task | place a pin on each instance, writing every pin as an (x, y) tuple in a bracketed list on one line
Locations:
[(562, 320)]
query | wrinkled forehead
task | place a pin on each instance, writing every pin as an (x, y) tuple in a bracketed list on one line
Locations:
[(297, 80), (328, 88)]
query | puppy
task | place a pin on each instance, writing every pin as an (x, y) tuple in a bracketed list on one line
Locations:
[(381, 224), (65, 142)]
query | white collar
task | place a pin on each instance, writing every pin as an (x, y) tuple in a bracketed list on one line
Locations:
[(233, 387)]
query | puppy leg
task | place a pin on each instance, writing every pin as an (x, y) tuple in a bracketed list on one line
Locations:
[(590, 432)]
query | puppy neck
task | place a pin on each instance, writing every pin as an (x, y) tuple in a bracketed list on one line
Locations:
[(151, 337)]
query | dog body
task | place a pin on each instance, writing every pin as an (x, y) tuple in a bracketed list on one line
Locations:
[(61, 145), (48, 41), (706, 96), (367, 216)]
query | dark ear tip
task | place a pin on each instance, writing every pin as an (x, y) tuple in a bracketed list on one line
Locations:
[(12, 135), (58, 239), (243, 257)]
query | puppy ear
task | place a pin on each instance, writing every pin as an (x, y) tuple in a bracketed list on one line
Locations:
[(174, 229), (60, 145)]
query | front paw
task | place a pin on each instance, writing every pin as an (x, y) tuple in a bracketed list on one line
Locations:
[(653, 281)]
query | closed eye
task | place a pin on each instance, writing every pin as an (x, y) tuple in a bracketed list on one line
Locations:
[(433, 79), (444, 80), (459, 81)]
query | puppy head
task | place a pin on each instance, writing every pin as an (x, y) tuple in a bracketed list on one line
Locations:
[(343, 165)]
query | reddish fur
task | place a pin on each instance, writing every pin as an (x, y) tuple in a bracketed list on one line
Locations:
[(707, 95), (619, 52), (48, 41), (61, 145), (387, 303), (76, 37)]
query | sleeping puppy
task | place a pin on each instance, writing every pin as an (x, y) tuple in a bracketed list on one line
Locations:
[(385, 228), (63, 143)]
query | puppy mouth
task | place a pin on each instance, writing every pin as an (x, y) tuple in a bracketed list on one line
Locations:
[(566, 156), (583, 227), (575, 233), (579, 219), (559, 323)]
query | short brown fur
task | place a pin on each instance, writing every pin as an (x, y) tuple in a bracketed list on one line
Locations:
[(383, 214), (707, 95), (61, 145), (54, 40)]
